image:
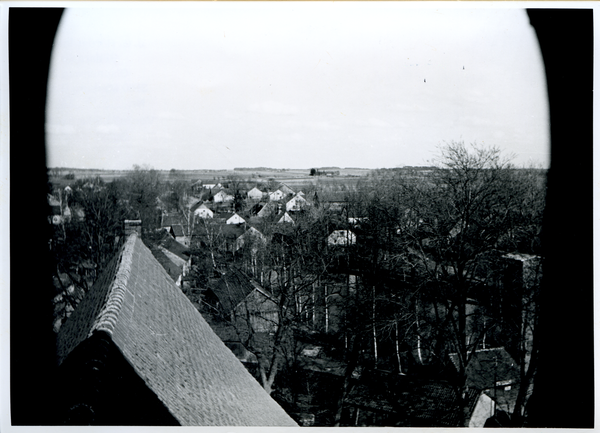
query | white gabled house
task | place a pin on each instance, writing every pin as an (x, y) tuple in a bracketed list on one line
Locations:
[(276, 195), (286, 218), (235, 219), (255, 194), (341, 237), (296, 203), (222, 197), (203, 212)]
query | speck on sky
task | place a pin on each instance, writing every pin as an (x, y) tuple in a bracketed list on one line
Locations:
[(216, 85)]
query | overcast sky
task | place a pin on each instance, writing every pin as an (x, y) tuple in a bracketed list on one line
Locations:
[(292, 85)]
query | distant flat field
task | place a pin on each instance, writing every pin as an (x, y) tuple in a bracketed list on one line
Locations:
[(289, 176)]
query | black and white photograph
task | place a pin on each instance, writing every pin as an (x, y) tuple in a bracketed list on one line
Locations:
[(298, 214)]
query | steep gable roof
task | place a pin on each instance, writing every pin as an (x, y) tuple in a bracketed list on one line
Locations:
[(286, 218), (203, 210), (296, 203), (253, 237), (169, 344), (268, 209), (231, 289), (254, 192), (170, 244), (236, 219), (285, 189)]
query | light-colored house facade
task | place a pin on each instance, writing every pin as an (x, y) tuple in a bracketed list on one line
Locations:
[(255, 194), (235, 219), (296, 203), (286, 218), (276, 195), (222, 197), (203, 212)]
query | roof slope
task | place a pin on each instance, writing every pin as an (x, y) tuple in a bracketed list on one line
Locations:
[(169, 344), (489, 368), (175, 247), (173, 269), (231, 289)]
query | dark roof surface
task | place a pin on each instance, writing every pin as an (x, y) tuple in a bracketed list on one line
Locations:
[(489, 368), (172, 269), (227, 231), (171, 219), (169, 344), (178, 230), (175, 247), (231, 289)]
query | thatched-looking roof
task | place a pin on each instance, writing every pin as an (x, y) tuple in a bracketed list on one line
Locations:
[(169, 345)]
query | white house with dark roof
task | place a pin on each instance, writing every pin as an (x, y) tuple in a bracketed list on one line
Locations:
[(137, 352)]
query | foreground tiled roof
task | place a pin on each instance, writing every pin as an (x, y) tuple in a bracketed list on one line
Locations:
[(169, 345)]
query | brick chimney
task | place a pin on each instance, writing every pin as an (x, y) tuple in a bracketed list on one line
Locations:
[(133, 226)]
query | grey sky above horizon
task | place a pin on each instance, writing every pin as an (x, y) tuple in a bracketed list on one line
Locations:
[(292, 85)]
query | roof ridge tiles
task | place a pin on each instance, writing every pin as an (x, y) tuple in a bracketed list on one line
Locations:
[(109, 314)]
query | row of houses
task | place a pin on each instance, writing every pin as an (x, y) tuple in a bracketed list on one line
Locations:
[(219, 194)]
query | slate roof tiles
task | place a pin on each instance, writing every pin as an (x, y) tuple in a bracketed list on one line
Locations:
[(169, 345)]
